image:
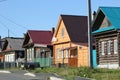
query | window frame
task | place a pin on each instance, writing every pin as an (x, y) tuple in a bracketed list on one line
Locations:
[(63, 33), (102, 48), (115, 46)]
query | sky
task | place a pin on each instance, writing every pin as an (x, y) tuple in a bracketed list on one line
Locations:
[(18, 16)]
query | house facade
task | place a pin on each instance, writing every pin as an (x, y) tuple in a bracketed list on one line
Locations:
[(12, 51), (70, 41), (106, 31), (1, 46), (38, 48)]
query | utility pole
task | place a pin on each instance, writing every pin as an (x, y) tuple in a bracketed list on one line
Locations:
[(90, 35), (8, 33)]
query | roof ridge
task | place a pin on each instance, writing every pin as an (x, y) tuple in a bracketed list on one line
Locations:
[(109, 7), (14, 38), (40, 30), (73, 15)]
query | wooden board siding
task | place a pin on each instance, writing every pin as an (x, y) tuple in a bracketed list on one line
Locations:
[(59, 37), (118, 37), (60, 47), (83, 56), (61, 42), (70, 41), (107, 58)]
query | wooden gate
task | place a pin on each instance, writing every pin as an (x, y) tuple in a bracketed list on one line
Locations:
[(72, 62)]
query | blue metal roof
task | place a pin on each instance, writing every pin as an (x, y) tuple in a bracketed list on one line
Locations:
[(104, 29), (113, 15)]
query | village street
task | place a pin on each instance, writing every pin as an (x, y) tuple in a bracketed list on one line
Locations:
[(16, 75), (25, 75)]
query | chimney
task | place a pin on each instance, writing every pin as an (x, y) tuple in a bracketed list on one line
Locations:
[(94, 15), (53, 30)]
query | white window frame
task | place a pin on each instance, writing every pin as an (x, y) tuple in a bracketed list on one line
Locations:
[(115, 46), (32, 52), (102, 48), (109, 47), (67, 53)]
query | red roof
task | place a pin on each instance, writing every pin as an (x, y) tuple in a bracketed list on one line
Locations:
[(40, 37)]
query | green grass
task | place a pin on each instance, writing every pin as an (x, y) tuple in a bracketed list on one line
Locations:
[(97, 74)]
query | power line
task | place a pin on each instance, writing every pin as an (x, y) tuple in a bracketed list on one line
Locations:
[(13, 22), (7, 29)]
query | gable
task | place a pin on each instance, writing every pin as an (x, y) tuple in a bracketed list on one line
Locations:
[(26, 40), (5, 45), (108, 18), (13, 43), (61, 33), (101, 23), (75, 26), (105, 23), (30, 41), (97, 22)]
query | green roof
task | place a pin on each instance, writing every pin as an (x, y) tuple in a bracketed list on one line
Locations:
[(105, 29), (113, 15)]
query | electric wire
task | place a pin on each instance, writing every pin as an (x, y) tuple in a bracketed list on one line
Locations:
[(7, 28), (13, 22)]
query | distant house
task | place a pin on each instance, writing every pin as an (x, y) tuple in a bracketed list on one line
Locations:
[(106, 31), (1, 46), (12, 50), (38, 48), (70, 42)]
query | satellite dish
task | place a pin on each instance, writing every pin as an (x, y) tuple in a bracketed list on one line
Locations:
[(54, 39)]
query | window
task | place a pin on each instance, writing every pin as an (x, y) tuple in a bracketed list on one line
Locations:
[(58, 53), (67, 53), (38, 53), (102, 48), (62, 56), (62, 32), (32, 54), (115, 46), (30, 58), (27, 54), (108, 47)]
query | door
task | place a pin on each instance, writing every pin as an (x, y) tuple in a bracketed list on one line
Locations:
[(72, 62)]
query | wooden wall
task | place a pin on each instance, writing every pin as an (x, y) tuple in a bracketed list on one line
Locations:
[(107, 58), (82, 55)]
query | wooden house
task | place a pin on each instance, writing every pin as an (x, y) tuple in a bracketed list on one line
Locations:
[(38, 48), (106, 31), (70, 42), (12, 50), (1, 46)]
